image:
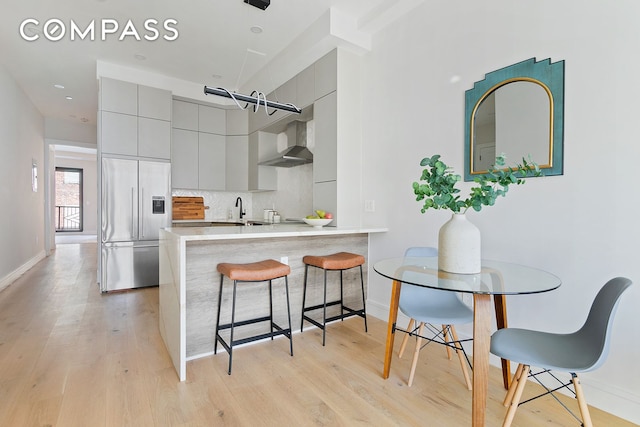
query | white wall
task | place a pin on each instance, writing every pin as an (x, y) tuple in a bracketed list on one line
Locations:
[(22, 210), (582, 225)]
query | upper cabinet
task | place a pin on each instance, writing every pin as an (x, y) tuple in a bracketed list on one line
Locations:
[(199, 150), (135, 120)]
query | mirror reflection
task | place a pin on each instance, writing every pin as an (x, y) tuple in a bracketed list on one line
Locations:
[(519, 111), (515, 118)]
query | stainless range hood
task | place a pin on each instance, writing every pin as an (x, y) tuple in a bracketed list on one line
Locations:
[(297, 153)]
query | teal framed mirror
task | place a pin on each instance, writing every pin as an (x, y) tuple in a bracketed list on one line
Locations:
[(519, 111)]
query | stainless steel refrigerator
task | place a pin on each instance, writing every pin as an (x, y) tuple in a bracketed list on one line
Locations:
[(135, 205)]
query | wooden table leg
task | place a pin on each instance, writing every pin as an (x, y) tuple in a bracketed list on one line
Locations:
[(391, 327), (500, 304), (481, 345)]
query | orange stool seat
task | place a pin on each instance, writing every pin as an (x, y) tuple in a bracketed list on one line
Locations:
[(254, 272), (261, 271), (339, 261)]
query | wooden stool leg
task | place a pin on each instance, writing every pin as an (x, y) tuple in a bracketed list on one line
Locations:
[(463, 362), (516, 397), (405, 339), (416, 353), (445, 336), (512, 388), (582, 403)]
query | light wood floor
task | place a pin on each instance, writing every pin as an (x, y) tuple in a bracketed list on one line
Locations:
[(70, 356)]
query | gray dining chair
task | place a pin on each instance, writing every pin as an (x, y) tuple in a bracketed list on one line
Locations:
[(580, 351), (427, 307)]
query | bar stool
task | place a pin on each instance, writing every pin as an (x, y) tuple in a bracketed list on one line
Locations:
[(261, 271), (336, 262)]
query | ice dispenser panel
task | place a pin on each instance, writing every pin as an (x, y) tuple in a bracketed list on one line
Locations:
[(158, 204)]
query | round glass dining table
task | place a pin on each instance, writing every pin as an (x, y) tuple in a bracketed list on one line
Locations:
[(496, 279)]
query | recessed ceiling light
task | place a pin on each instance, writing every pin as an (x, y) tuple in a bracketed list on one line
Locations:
[(256, 29), (69, 97), (216, 76), (58, 86), (139, 57)]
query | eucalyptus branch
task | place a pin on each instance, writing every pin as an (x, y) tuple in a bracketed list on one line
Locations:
[(437, 184)]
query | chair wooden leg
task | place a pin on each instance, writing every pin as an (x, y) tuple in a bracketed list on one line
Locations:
[(416, 354), (582, 403), (463, 361), (511, 412), (512, 388), (445, 336), (405, 339)]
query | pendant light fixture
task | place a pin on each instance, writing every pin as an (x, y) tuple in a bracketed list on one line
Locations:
[(256, 98)]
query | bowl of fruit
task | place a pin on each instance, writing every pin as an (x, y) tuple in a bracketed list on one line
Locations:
[(319, 219)]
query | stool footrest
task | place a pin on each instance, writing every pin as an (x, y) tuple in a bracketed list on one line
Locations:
[(278, 332), (316, 307), (351, 313)]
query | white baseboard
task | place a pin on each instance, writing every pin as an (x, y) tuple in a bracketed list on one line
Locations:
[(11, 277)]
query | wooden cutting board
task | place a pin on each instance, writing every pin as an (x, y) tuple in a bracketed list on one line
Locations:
[(188, 207)]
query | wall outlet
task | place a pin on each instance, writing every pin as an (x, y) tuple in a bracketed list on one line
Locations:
[(284, 260), (369, 205)]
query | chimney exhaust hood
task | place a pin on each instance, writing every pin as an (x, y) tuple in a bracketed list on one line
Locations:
[(297, 152)]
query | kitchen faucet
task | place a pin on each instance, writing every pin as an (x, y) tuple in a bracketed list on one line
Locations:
[(239, 200)]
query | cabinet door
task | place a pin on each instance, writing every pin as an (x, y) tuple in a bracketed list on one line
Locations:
[(184, 159), (154, 138), (325, 154), (184, 115), (237, 169), (119, 134), (212, 120), (118, 96), (154, 103), (211, 161)]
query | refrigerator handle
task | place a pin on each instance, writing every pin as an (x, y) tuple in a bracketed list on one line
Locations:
[(142, 213), (133, 214)]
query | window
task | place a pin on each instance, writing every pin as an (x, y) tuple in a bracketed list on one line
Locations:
[(68, 188)]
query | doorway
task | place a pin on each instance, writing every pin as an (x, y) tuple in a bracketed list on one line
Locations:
[(68, 200)]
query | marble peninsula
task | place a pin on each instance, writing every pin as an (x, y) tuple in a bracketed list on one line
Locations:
[(189, 281)]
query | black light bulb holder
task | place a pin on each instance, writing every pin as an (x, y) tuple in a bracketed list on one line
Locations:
[(260, 4)]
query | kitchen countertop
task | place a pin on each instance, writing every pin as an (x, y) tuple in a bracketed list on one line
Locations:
[(263, 231)]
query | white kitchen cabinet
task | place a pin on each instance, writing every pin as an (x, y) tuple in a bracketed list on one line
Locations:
[(184, 115), (212, 120), (154, 103), (262, 145), (237, 122), (118, 96), (211, 161), (326, 75), (237, 163), (305, 87), (184, 159), (325, 154), (119, 133), (154, 138), (135, 120)]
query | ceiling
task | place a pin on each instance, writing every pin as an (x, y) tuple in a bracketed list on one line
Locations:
[(214, 46)]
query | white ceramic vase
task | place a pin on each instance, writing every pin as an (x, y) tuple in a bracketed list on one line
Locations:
[(459, 246)]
